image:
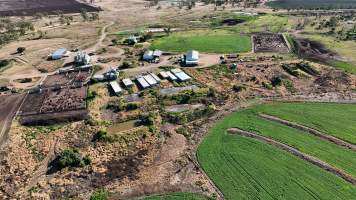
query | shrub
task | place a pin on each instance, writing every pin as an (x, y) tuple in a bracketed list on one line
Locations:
[(70, 158), (100, 194), (21, 49), (238, 88), (4, 63)]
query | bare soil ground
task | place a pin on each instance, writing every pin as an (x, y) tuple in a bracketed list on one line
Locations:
[(31, 7), (269, 42)]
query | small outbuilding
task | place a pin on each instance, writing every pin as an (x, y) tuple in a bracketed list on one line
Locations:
[(181, 75), (164, 75), (191, 58), (82, 58), (142, 83), (115, 87), (171, 76), (58, 54), (155, 77), (150, 55), (150, 80), (127, 82)]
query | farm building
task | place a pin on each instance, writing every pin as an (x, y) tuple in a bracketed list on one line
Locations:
[(127, 82), (191, 58), (98, 77), (155, 77), (152, 55), (58, 54), (142, 83), (115, 87), (182, 76), (171, 76), (150, 80), (164, 75), (81, 58), (112, 74)]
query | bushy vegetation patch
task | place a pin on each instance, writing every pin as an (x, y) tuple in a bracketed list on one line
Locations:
[(69, 158)]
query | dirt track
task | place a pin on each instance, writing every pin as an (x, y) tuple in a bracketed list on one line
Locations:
[(306, 157), (311, 131), (8, 108)]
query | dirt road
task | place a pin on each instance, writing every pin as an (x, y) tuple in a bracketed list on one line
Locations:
[(10, 104)]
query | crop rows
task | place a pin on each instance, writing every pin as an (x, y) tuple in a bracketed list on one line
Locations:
[(244, 168)]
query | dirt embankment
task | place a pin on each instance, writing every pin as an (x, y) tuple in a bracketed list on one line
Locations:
[(310, 131), (306, 157)]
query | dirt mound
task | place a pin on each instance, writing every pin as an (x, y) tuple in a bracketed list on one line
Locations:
[(334, 80), (313, 50)]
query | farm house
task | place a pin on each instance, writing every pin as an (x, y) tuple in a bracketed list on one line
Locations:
[(191, 58), (58, 54)]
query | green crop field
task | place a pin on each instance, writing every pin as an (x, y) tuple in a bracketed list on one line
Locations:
[(218, 41), (338, 120), (313, 4), (244, 168), (175, 196)]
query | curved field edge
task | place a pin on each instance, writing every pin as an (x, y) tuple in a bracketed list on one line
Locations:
[(326, 151), (338, 120), (175, 196), (244, 168), (218, 41)]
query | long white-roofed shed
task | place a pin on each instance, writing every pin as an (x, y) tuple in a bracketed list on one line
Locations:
[(115, 87)]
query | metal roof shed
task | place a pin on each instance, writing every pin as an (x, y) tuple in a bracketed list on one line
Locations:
[(171, 76), (192, 57), (143, 83), (155, 77), (127, 82), (148, 55), (150, 80), (164, 75), (176, 70), (58, 54), (182, 76), (115, 87)]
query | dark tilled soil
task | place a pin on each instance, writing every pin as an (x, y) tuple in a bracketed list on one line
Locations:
[(31, 7), (313, 50)]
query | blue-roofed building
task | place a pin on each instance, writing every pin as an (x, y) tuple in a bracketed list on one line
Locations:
[(58, 54)]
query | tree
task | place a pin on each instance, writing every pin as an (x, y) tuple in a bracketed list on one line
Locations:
[(167, 30), (84, 15)]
